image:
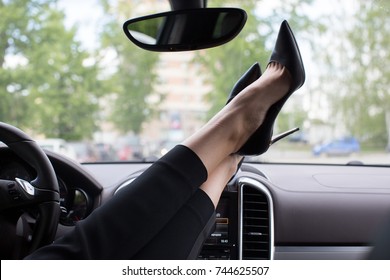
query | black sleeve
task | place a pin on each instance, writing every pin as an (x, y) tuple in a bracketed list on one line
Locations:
[(183, 237), (133, 217)]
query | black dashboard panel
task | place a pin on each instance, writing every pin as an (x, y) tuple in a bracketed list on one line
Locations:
[(270, 211), (223, 241), (317, 211), (328, 204)]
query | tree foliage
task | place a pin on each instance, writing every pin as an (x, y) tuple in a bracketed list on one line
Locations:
[(360, 97), (44, 75), (133, 79), (369, 76)]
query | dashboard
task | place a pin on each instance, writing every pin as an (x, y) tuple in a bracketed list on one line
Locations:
[(268, 211)]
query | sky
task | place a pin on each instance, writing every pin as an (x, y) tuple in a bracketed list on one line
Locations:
[(84, 13)]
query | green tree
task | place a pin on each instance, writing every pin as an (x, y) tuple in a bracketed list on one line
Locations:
[(369, 78), (361, 97), (52, 89), (133, 78), (14, 23)]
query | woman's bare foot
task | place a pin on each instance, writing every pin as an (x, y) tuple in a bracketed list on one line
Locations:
[(257, 98)]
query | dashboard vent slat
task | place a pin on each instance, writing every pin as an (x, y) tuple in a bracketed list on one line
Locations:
[(256, 224)]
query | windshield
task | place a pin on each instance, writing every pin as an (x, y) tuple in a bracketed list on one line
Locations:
[(69, 75)]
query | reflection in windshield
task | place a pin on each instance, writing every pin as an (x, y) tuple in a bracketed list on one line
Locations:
[(109, 100)]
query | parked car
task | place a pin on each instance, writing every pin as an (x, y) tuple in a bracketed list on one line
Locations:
[(298, 137), (338, 147)]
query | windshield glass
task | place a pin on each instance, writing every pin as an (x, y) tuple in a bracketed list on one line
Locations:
[(71, 78)]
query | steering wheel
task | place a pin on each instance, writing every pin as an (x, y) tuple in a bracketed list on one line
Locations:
[(29, 211)]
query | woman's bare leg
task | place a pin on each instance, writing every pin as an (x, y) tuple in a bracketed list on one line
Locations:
[(228, 131), (220, 176)]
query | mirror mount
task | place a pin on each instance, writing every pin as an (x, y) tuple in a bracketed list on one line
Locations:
[(187, 4), (185, 30)]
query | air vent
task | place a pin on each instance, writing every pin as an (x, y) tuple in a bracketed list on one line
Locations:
[(256, 239)]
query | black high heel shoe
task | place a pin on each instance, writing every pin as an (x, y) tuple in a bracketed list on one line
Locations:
[(251, 75), (286, 52)]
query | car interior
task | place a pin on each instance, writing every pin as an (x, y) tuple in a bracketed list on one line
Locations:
[(330, 208)]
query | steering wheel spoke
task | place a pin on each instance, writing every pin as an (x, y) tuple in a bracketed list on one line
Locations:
[(21, 193)]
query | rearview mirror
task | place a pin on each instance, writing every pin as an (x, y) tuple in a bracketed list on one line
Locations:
[(184, 30)]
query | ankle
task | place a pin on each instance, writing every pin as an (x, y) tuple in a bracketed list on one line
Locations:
[(246, 116)]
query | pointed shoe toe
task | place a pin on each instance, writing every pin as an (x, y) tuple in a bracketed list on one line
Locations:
[(286, 52)]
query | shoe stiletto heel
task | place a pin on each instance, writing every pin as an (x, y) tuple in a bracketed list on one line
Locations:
[(251, 75), (286, 53)]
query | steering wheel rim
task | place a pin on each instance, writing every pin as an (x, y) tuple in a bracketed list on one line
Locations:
[(42, 193)]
